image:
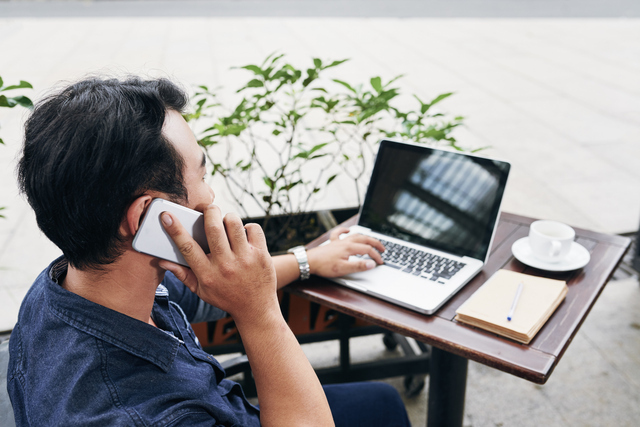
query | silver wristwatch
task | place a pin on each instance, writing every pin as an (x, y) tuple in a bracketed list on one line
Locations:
[(303, 262)]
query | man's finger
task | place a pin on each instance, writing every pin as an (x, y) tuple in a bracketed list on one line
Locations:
[(189, 248), (235, 232), (364, 249), (255, 236), (215, 231), (348, 267), (335, 234), (375, 255), (182, 273), (371, 241)]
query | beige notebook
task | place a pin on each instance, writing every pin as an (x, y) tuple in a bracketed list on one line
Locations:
[(490, 305)]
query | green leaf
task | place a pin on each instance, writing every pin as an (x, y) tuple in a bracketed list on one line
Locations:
[(276, 58), (218, 168), (1, 141), (317, 147), (256, 70), (453, 144), (423, 106), (255, 83), (16, 100), (231, 129), (481, 148), (308, 154), (334, 63), (1, 82), (317, 62), (376, 83), (394, 79), (268, 57), (345, 84), (290, 186), (440, 98), (270, 183), (367, 114), (207, 141), (312, 75), (331, 178), (22, 85)]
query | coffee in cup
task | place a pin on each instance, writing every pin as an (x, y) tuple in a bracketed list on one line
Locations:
[(550, 241)]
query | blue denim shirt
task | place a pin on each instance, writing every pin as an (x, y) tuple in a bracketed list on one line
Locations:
[(77, 363)]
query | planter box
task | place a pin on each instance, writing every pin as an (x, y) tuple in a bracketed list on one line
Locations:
[(286, 231)]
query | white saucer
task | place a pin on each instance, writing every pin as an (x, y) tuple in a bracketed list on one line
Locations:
[(577, 258)]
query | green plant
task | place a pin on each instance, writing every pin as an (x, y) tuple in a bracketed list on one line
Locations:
[(294, 132), (10, 102)]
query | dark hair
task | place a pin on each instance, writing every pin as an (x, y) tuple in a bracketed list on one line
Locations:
[(89, 151)]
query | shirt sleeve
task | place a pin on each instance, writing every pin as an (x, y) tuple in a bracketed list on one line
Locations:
[(194, 308)]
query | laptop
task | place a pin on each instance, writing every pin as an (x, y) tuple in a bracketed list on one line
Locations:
[(436, 212)]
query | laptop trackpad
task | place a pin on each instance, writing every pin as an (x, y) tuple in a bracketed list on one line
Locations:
[(403, 289), (378, 280)]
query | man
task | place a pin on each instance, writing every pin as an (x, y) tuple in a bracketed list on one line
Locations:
[(98, 341)]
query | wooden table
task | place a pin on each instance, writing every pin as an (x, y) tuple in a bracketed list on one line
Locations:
[(453, 343)]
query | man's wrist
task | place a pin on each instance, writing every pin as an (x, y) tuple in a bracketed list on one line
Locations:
[(259, 319), (303, 261)]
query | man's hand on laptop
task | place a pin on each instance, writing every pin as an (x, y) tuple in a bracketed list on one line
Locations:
[(332, 260)]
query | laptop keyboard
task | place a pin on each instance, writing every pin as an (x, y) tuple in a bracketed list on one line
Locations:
[(419, 263)]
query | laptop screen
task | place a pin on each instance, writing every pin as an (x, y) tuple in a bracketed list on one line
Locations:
[(444, 200)]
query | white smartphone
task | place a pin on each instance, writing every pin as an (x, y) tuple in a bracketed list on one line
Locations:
[(152, 238)]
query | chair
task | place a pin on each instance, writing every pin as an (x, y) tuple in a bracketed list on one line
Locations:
[(6, 410)]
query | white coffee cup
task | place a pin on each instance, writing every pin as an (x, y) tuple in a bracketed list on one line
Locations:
[(550, 241)]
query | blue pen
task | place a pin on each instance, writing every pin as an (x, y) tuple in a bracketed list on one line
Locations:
[(515, 302)]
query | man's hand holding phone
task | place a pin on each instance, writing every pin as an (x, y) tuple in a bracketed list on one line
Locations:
[(237, 275)]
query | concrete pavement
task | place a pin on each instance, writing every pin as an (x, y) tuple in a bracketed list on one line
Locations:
[(558, 96)]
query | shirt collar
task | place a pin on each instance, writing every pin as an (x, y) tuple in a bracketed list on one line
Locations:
[(120, 330)]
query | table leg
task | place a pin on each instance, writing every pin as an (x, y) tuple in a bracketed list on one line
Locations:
[(447, 386)]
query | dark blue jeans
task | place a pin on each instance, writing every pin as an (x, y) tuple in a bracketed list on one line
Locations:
[(366, 404)]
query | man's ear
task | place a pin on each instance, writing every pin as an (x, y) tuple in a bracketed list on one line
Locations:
[(135, 214)]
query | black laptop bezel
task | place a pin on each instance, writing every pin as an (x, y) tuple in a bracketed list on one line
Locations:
[(487, 238)]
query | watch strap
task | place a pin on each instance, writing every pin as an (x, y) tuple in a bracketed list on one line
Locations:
[(303, 262)]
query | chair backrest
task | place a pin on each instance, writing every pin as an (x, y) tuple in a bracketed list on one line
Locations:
[(6, 410)]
